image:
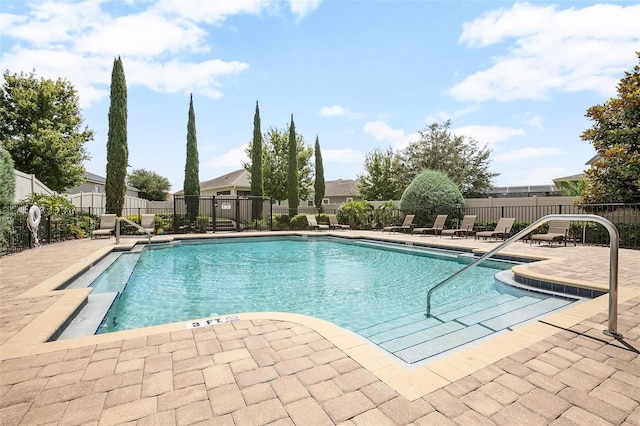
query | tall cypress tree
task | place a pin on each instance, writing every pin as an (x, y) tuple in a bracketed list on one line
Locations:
[(292, 175), (318, 185), (257, 188), (192, 166), (117, 150)]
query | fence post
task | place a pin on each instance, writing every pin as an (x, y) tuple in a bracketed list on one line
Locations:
[(237, 212), (271, 214), (215, 219), (175, 225)]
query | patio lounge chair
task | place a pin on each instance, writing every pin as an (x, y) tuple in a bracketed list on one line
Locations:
[(148, 222), (313, 223), (502, 229), (436, 228), (107, 226), (558, 231), (466, 226), (333, 223), (407, 225)]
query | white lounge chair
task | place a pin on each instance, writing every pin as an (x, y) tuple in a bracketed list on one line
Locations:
[(313, 223), (107, 226), (148, 223)]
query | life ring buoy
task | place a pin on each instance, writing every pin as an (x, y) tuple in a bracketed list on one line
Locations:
[(34, 216)]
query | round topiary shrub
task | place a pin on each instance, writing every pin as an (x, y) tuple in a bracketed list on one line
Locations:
[(428, 194)]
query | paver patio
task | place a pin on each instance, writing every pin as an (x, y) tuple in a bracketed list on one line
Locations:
[(297, 370)]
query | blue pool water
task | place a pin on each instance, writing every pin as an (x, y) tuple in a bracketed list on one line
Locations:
[(354, 285)]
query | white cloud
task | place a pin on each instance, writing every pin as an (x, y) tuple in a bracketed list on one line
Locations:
[(551, 50), (442, 116), (337, 111), (208, 11), (533, 176), (229, 161), (342, 156), (382, 132), (529, 153), (78, 41), (534, 120), (488, 135), (302, 8)]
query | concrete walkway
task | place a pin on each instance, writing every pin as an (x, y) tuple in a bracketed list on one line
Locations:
[(275, 371)]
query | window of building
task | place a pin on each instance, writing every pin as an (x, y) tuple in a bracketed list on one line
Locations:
[(310, 203), (325, 201), (349, 200)]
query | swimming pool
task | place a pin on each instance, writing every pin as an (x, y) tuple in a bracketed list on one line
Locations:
[(377, 290)]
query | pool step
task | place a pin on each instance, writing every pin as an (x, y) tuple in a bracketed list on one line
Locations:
[(415, 337)]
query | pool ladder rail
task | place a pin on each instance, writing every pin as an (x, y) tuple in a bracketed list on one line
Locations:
[(132, 223), (612, 329)]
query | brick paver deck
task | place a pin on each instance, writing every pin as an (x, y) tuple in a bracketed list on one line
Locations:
[(265, 371)]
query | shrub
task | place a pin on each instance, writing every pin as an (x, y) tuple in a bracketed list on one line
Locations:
[(429, 193), (384, 214), (358, 214), (7, 192), (299, 222)]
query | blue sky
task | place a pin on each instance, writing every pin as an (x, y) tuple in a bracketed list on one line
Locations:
[(360, 75)]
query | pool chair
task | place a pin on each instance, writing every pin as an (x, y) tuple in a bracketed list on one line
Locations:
[(466, 226), (333, 223), (148, 223), (436, 228), (558, 231), (407, 225), (502, 229), (313, 223), (107, 226)]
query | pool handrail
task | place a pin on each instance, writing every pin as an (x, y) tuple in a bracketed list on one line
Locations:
[(132, 223), (612, 329)]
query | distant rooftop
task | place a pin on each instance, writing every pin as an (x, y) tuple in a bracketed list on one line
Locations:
[(523, 191)]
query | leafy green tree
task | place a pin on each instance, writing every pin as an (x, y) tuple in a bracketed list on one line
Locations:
[(429, 193), (257, 187), (460, 158), (319, 184), (7, 193), (7, 178), (41, 128), (615, 134), (356, 213), (275, 150), (117, 149), (292, 171), (383, 179), (152, 186), (192, 166)]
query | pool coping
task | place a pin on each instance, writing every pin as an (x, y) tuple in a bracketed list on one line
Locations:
[(413, 382)]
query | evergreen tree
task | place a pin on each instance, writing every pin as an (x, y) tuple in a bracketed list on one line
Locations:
[(257, 188), (191, 168), (292, 175), (318, 185), (117, 150), (275, 164)]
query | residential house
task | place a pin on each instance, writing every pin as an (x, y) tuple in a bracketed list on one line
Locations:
[(95, 183), (234, 183)]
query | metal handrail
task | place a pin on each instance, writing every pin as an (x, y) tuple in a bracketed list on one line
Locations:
[(130, 222), (612, 329)]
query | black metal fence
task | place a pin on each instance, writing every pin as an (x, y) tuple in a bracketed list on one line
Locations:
[(625, 217), (237, 213)]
